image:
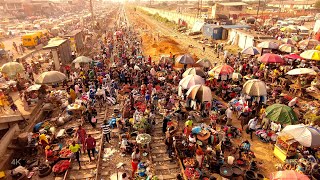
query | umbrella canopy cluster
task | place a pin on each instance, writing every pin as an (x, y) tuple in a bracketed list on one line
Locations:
[(194, 71), (82, 59), (268, 45), (271, 58), (311, 55)]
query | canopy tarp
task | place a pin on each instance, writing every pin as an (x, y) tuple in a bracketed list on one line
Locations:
[(197, 26)]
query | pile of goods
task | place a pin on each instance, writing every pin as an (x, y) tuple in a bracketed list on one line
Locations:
[(61, 166), (65, 153), (143, 139), (192, 173), (189, 162)]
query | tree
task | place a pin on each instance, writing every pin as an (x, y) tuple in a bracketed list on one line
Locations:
[(317, 4)]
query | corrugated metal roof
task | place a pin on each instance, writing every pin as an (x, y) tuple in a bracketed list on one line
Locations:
[(55, 43), (233, 4), (235, 26)]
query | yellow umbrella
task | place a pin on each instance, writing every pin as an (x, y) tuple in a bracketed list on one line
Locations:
[(311, 54), (317, 47)]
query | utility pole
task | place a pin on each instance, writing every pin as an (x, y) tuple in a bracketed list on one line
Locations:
[(92, 16), (258, 10)]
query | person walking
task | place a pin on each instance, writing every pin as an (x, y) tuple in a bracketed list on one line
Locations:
[(75, 149), (252, 125), (82, 134), (106, 130), (91, 146), (135, 159)]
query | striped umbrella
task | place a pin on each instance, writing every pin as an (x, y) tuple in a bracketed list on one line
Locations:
[(221, 70), (288, 41), (268, 45), (250, 51), (191, 80), (288, 48), (271, 58), (204, 63), (255, 87), (311, 54), (50, 77), (200, 92), (308, 44), (185, 59), (194, 71)]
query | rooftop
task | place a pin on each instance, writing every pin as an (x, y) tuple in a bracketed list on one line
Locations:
[(233, 4)]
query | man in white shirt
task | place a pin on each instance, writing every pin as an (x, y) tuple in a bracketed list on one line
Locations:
[(252, 125), (229, 114)]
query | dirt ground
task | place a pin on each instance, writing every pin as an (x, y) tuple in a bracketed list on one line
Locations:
[(159, 39)]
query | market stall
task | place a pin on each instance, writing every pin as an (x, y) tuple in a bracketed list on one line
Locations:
[(285, 147)]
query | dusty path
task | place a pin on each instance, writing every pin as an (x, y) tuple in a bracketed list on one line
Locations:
[(156, 32)]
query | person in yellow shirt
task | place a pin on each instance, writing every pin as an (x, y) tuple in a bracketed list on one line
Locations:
[(75, 149)]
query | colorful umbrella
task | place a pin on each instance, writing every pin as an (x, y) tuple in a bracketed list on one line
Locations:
[(288, 41), (292, 56), (308, 43), (271, 58), (307, 136), (268, 45), (204, 63), (281, 113), (288, 175), (250, 51), (221, 70), (299, 71), (12, 68), (288, 29), (82, 59), (200, 92), (255, 87), (117, 33), (317, 48), (185, 59), (311, 54), (288, 48), (191, 80), (50, 77), (194, 71)]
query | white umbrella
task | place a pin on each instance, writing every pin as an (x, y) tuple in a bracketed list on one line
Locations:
[(194, 71), (200, 92), (299, 71), (82, 59), (250, 51), (307, 136), (255, 87), (50, 77), (191, 80)]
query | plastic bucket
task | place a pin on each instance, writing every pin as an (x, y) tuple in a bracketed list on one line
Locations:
[(260, 176), (237, 171), (226, 172)]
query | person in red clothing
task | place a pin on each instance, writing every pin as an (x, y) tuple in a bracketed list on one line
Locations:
[(149, 60), (91, 146), (81, 134)]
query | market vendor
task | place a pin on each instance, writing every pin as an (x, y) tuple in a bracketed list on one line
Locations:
[(43, 140)]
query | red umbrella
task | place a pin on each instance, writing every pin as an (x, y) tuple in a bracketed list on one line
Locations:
[(288, 174), (271, 58), (293, 56)]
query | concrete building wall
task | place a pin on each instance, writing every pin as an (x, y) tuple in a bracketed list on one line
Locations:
[(173, 16), (6, 139)]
